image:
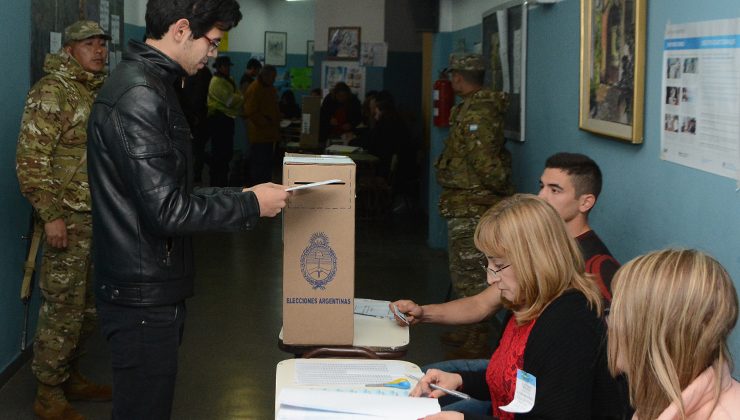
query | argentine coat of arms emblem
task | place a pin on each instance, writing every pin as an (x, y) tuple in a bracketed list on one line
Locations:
[(318, 261)]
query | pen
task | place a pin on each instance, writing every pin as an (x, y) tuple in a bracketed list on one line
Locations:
[(400, 314), (454, 393)]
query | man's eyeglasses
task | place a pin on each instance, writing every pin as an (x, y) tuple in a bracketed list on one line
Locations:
[(214, 44), (493, 271)]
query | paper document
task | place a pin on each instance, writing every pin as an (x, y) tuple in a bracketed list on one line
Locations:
[(314, 184), (341, 149), (372, 307), (296, 403), (308, 372)]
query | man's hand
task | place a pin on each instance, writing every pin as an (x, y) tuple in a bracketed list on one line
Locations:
[(56, 233), (271, 198), (412, 311)]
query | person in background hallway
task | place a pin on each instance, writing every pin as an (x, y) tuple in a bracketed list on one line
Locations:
[(146, 209), (194, 100), (250, 73), (263, 123), (50, 167), (555, 331), (289, 109), (317, 92), (474, 171), (368, 108), (341, 112), (224, 104), (389, 135), (670, 318)]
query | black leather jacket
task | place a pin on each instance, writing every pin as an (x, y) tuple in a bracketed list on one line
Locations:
[(144, 206)]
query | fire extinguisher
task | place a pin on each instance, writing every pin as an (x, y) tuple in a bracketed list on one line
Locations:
[(444, 98)]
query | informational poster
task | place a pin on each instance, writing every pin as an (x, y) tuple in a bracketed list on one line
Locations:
[(55, 41), (374, 54), (700, 96), (104, 14), (350, 73), (115, 29)]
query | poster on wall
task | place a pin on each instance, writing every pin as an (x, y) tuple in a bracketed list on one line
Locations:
[(503, 34), (374, 54), (104, 14), (350, 73), (301, 78), (700, 96)]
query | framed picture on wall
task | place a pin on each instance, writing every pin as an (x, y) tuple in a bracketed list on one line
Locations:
[(309, 53), (343, 43), (276, 48), (612, 85)]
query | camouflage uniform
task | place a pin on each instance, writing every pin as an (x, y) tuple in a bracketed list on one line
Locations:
[(51, 143), (474, 171)]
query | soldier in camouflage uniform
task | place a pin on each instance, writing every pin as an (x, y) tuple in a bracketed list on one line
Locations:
[(474, 171), (52, 174)]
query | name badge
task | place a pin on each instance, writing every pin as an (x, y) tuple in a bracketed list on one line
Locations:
[(526, 387), (473, 127)]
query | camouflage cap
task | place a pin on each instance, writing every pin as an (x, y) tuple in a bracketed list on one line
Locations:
[(471, 62), (83, 29)]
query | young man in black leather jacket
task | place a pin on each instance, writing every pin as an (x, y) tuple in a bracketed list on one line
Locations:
[(144, 205)]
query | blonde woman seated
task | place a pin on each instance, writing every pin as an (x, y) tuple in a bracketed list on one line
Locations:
[(556, 333), (670, 317)]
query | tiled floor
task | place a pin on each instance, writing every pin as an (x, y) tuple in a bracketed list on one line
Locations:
[(229, 353)]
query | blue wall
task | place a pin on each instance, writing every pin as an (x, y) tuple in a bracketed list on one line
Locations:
[(647, 203), (15, 24)]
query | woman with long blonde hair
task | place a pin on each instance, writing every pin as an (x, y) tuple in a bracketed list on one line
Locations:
[(555, 335), (671, 314)]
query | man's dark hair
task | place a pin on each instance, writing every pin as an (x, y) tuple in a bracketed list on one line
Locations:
[(584, 172), (253, 63), (342, 87), (476, 77), (203, 15), (267, 70)]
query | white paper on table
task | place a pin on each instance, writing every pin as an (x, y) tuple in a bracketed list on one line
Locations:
[(372, 307), (314, 184), (312, 403), (309, 372)]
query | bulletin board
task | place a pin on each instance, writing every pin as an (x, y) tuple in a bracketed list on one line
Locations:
[(505, 51)]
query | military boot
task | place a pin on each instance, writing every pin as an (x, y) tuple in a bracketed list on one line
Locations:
[(51, 404), (78, 387)]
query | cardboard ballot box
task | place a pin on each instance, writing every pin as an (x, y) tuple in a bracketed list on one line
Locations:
[(310, 120), (319, 251)]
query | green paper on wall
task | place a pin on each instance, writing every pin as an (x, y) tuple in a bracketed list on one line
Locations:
[(301, 78)]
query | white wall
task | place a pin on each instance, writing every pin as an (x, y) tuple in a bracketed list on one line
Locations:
[(460, 14), (369, 15), (294, 17), (133, 12)]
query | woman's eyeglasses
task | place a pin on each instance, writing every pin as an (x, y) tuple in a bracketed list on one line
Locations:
[(493, 271)]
